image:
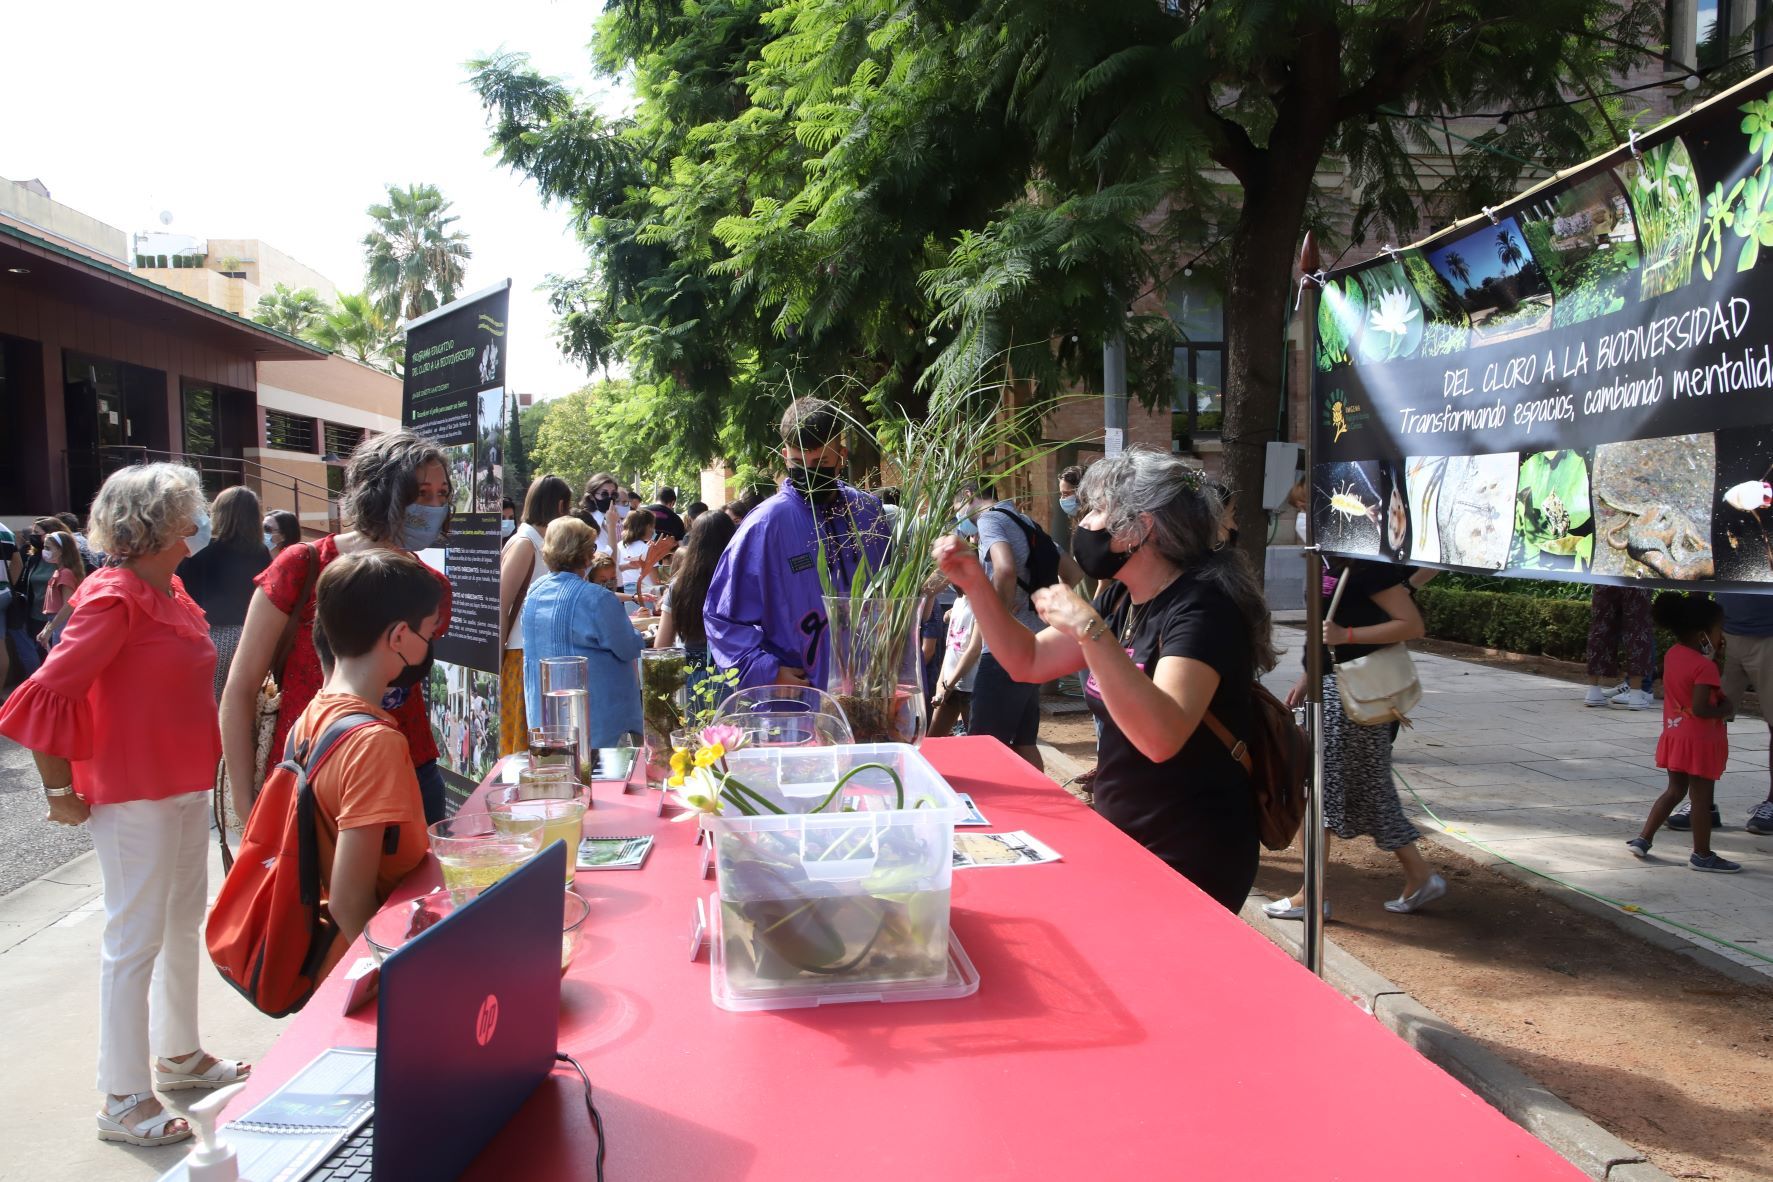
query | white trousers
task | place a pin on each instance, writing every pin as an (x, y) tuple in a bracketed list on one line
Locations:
[(154, 856)]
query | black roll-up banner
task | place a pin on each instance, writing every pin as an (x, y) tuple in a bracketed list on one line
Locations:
[(455, 393), (1576, 385)]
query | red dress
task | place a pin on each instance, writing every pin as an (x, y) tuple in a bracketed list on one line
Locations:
[(1697, 746), (282, 584), (128, 696)]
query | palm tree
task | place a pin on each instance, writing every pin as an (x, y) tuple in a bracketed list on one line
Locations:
[(292, 313), (356, 329), (1458, 267), (1508, 249), (414, 257)]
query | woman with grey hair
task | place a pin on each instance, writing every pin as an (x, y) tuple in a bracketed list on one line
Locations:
[(121, 722), (1178, 629), (397, 497)]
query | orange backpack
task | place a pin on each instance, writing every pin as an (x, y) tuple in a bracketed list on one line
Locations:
[(268, 933)]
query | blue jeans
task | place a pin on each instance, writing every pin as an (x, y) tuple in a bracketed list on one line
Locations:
[(24, 647), (431, 791)]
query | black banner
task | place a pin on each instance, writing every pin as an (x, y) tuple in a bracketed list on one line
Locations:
[(455, 393), (1577, 385)]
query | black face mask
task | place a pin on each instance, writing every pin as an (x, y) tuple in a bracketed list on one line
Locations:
[(1091, 549), (413, 674), (600, 503), (818, 484)]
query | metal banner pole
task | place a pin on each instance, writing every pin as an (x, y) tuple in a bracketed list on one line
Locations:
[(1314, 650)]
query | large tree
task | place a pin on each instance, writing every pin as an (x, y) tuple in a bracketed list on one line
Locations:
[(291, 312), (414, 257), (923, 191)]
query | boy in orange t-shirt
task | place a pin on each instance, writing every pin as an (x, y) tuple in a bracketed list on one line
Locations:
[(376, 612)]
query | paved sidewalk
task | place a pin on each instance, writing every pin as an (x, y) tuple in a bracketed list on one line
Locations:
[(49, 951), (1517, 763)]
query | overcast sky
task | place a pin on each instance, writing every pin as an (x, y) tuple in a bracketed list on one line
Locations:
[(284, 123)]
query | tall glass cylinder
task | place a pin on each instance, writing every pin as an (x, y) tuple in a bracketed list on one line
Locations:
[(664, 698), (875, 669), (566, 700)]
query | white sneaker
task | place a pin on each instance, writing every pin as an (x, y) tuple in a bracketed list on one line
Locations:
[(1633, 700), (1597, 696)]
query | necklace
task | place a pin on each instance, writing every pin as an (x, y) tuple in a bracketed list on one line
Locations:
[(1136, 615)]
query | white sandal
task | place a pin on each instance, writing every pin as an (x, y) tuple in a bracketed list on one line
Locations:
[(146, 1132), (175, 1075)]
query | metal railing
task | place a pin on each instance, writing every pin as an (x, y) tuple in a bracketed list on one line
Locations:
[(217, 473)]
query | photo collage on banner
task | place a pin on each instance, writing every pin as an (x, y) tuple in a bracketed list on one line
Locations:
[(1575, 385), (455, 394)]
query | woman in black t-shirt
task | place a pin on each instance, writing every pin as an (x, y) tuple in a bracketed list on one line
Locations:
[(1179, 627), (1360, 799)]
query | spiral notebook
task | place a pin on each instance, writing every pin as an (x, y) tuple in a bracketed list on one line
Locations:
[(299, 1125)]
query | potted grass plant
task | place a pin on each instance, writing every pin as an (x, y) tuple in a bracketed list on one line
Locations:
[(875, 667)]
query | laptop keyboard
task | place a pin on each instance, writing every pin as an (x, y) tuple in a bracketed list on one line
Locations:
[(350, 1161)]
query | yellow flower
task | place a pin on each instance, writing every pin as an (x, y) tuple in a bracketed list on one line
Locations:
[(679, 765), (709, 756)]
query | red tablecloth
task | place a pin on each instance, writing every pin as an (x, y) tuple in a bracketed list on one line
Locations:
[(1125, 1027)]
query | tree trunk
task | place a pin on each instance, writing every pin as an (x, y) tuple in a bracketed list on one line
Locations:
[(1257, 304)]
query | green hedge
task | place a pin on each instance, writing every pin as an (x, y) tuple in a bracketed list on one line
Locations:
[(1510, 622)]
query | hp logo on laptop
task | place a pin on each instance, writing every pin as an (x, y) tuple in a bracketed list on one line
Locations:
[(487, 1021)]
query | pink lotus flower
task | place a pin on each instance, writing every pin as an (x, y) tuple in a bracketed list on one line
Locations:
[(729, 738)]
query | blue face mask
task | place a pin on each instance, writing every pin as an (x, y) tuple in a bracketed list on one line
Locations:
[(966, 528), (1069, 505), (270, 541), (199, 539), (423, 526)]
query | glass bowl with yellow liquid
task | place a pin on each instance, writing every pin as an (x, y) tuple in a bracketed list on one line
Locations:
[(477, 849), (559, 805)]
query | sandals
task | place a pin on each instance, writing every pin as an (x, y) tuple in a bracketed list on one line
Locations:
[(176, 1075), (150, 1131)]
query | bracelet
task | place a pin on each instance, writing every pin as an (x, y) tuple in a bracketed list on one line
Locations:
[(67, 790), (1097, 627)]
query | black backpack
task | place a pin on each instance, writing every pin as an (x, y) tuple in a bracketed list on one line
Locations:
[(1043, 552)]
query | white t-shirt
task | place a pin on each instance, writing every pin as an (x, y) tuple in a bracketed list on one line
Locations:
[(631, 580), (960, 629), (528, 533)]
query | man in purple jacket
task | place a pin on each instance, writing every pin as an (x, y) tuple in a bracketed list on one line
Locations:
[(765, 612)]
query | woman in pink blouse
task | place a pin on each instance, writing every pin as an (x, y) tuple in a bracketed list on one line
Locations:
[(121, 719)]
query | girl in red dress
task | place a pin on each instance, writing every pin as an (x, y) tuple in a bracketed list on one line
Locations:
[(1693, 746)]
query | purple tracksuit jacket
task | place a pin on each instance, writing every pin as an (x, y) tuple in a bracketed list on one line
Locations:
[(766, 610)]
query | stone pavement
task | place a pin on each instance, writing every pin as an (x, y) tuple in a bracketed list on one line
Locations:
[(1516, 762), (49, 951)]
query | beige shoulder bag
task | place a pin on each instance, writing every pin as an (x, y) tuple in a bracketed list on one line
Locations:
[(1379, 688)]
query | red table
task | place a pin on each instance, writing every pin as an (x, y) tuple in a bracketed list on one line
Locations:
[(1125, 1027)]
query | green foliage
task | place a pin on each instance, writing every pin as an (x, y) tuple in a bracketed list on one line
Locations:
[(293, 313), (615, 425), (517, 469), (1664, 193), (1513, 622), (1537, 232), (355, 329), (1551, 507), (1532, 588), (414, 257), (915, 194), (1599, 284)]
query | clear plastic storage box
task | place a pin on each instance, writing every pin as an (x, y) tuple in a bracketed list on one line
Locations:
[(852, 895)]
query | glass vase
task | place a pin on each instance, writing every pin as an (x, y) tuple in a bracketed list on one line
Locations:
[(664, 699), (566, 701), (875, 668)]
